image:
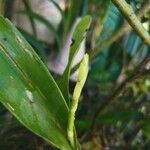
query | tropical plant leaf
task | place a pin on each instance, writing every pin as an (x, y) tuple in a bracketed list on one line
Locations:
[(28, 90), (78, 36)]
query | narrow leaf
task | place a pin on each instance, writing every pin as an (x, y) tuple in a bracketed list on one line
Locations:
[(78, 36)]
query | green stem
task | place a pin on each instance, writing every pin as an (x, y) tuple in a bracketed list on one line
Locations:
[(83, 71), (119, 33), (129, 14)]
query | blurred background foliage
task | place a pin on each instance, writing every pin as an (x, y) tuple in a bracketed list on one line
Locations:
[(126, 124)]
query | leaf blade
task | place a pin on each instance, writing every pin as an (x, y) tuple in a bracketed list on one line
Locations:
[(78, 36), (28, 90)]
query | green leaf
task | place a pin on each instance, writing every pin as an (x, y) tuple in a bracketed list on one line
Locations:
[(78, 36), (28, 90)]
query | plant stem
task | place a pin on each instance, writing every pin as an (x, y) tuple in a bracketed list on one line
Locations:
[(129, 14), (141, 71), (83, 71), (119, 33)]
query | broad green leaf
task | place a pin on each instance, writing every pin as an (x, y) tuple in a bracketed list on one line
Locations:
[(78, 36), (28, 90)]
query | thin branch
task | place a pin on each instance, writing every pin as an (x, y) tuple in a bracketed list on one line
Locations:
[(141, 71), (119, 33), (133, 20)]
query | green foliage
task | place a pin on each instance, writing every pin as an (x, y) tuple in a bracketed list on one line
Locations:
[(42, 105), (40, 108)]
